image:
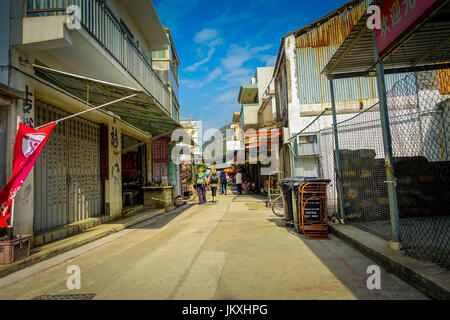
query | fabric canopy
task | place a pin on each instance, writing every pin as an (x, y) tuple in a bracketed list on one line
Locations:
[(262, 137), (140, 111)]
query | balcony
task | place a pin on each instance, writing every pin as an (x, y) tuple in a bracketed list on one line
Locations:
[(101, 31), (248, 94), (249, 116)]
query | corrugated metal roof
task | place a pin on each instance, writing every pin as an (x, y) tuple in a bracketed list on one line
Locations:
[(334, 33), (314, 88), (428, 44), (334, 30)]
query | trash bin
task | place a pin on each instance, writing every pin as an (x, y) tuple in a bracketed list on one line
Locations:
[(287, 202), (290, 207), (310, 217)]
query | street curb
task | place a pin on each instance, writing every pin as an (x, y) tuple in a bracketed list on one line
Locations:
[(425, 277), (95, 233)]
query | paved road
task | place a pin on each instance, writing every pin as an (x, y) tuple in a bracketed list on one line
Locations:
[(233, 249)]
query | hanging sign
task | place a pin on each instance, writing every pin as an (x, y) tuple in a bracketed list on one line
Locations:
[(397, 17)]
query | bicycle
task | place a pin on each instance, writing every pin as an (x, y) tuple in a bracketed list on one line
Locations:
[(277, 206), (249, 187)]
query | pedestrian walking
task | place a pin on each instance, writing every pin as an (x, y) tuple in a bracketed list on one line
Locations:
[(213, 181), (200, 184), (239, 182), (223, 182)]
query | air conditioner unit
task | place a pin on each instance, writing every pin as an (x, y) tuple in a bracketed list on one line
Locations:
[(306, 145)]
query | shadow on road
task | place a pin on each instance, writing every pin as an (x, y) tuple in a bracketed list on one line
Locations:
[(350, 267), (167, 218)]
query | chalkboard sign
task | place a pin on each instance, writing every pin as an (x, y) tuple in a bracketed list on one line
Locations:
[(312, 210)]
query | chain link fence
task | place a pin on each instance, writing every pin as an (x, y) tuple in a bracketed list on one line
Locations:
[(419, 116), (365, 196), (419, 111)]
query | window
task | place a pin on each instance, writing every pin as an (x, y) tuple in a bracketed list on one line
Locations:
[(159, 54)]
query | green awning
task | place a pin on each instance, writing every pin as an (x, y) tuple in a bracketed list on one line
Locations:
[(141, 111)]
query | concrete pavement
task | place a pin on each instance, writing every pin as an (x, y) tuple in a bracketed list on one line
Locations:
[(233, 249)]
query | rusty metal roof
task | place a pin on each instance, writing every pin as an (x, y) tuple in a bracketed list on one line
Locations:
[(427, 43), (317, 34)]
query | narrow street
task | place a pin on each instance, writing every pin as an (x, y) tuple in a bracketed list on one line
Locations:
[(233, 249)]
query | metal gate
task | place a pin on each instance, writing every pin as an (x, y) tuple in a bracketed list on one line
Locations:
[(68, 186)]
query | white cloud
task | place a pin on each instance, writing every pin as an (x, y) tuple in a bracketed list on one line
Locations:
[(214, 74), (195, 66), (235, 74), (269, 60), (193, 84), (205, 35), (237, 55), (229, 96), (209, 38), (215, 43)]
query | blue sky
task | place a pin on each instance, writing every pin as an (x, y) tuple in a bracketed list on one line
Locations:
[(220, 44)]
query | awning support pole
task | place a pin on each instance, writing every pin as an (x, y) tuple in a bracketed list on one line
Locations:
[(86, 111), (337, 154), (387, 142)]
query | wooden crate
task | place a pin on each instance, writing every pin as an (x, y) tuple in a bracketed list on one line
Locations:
[(16, 249)]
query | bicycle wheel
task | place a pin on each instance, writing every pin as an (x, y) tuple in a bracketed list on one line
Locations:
[(277, 207)]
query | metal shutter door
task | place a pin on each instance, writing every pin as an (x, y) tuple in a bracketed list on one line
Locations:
[(68, 187)]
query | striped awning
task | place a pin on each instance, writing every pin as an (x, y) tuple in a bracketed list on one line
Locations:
[(262, 137)]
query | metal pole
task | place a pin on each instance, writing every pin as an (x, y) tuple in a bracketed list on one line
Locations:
[(387, 142), (337, 154), (85, 111), (11, 226)]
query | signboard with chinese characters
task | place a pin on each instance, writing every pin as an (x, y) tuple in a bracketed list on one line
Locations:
[(397, 17)]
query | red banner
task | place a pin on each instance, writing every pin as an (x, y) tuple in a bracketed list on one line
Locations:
[(29, 144), (397, 17)]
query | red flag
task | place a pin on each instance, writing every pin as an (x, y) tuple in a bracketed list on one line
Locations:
[(28, 146)]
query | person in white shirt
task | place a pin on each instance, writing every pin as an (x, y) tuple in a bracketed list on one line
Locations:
[(239, 182)]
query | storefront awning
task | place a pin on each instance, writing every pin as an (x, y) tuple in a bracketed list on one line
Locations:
[(262, 137), (140, 111), (426, 42)]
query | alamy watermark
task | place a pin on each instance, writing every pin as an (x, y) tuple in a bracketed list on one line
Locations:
[(74, 17), (74, 280), (230, 145), (374, 280)]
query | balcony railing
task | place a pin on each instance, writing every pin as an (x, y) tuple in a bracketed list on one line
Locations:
[(101, 23)]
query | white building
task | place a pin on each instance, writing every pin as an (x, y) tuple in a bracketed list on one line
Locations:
[(53, 65)]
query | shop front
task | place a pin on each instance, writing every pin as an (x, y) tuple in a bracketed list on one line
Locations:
[(96, 161), (134, 173)]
